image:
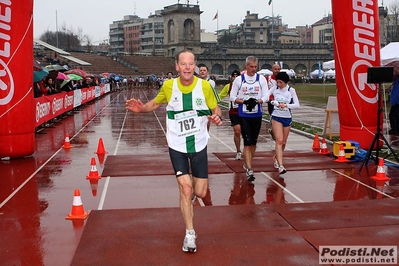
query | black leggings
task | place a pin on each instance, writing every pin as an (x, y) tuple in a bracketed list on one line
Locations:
[(250, 128)]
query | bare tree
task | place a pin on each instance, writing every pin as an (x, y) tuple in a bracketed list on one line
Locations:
[(67, 38), (393, 23)]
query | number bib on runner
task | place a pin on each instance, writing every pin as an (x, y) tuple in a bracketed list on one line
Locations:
[(253, 111), (187, 123)]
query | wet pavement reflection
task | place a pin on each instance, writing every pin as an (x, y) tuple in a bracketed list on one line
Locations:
[(36, 193)]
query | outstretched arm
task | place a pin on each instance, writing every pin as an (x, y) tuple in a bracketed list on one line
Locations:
[(135, 105)]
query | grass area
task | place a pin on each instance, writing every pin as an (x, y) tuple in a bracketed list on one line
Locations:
[(315, 94)]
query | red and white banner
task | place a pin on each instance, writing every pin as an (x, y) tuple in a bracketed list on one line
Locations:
[(17, 129), (51, 106), (356, 48)]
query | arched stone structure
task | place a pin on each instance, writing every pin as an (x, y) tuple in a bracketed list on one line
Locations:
[(231, 68), (217, 69), (266, 66), (300, 70), (189, 29), (171, 31), (184, 24)]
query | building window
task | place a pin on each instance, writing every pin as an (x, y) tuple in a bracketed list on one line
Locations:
[(171, 31), (189, 29)]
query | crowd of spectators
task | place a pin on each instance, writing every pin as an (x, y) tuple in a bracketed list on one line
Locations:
[(49, 85)]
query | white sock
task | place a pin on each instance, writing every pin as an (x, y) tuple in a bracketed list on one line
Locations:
[(190, 232)]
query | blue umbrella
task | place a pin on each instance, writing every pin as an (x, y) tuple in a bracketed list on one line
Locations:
[(39, 75)]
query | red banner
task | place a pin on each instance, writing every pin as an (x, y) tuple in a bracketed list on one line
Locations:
[(356, 48), (89, 94), (51, 106), (17, 130)]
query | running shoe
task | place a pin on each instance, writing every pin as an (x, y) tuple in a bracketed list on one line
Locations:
[(282, 170), (249, 172), (238, 156), (189, 243), (271, 133), (250, 175), (251, 178), (276, 165)]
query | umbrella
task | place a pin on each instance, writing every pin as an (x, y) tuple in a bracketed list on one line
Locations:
[(37, 66), (64, 82), (62, 76), (105, 74), (39, 75), (74, 77), (76, 71), (55, 67), (395, 65)]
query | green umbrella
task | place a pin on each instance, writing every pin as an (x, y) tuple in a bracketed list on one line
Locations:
[(55, 68), (64, 82), (39, 75), (74, 77)]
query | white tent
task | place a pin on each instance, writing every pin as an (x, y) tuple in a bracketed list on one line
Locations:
[(329, 74), (388, 54), (329, 64), (315, 73), (265, 72), (290, 72)]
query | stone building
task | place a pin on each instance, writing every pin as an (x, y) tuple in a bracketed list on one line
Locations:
[(302, 49)]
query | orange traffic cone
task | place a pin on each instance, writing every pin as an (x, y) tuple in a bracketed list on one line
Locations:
[(78, 223), (78, 212), (100, 147), (94, 186), (341, 155), (324, 149), (93, 174), (380, 177), (316, 143), (67, 144), (101, 151)]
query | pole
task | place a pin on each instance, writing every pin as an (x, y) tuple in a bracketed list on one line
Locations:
[(272, 22), (56, 25), (378, 137), (217, 21)]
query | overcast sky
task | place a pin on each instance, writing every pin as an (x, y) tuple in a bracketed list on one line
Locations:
[(94, 16)]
